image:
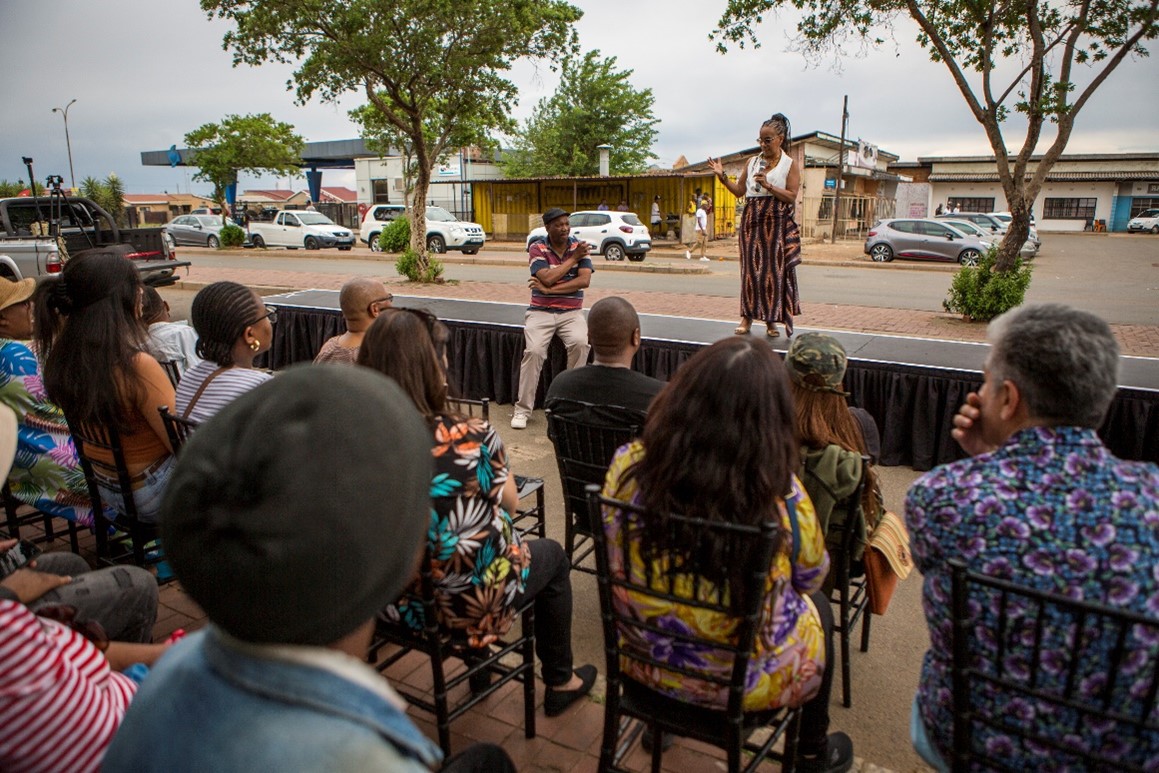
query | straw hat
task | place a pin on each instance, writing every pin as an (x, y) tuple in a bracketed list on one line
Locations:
[(12, 293)]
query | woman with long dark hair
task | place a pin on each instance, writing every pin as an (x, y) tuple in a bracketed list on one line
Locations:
[(485, 569), (729, 455), (98, 370), (770, 239)]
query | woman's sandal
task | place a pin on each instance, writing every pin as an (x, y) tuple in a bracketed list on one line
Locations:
[(742, 329), (555, 702), (772, 332)]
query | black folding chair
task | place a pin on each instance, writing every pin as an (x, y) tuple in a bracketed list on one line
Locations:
[(729, 728), (535, 511), (1086, 667), (20, 514), (172, 371), (177, 428), (585, 437), (437, 645)]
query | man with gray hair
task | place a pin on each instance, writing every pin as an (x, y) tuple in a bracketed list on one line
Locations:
[(1041, 503)]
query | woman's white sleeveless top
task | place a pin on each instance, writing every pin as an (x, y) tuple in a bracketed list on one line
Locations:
[(777, 176)]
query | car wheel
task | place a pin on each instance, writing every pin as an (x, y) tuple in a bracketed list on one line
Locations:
[(1155, 229), (613, 252), (637, 257), (374, 245), (969, 257), (311, 243), (212, 242), (470, 252), (881, 253), (259, 242), (435, 243)]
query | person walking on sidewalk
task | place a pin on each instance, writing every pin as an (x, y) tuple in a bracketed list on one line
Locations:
[(770, 239), (701, 232), (560, 270), (657, 221)]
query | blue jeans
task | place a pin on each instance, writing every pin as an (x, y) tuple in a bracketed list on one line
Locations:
[(922, 743), (146, 496)]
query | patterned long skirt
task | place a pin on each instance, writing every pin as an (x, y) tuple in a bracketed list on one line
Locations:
[(770, 251)]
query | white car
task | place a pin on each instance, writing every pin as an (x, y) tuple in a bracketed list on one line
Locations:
[(301, 228), (1147, 220), (1008, 218), (612, 234), (1029, 248), (444, 231)]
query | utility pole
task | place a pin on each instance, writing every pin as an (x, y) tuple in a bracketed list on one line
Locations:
[(67, 141), (840, 169)]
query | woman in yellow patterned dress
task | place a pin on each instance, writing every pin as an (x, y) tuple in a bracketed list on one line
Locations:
[(719, 444)]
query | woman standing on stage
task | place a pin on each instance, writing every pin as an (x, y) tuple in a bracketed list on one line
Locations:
[(770, 240)]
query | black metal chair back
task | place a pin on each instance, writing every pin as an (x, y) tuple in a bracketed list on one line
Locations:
[(586, 437), (20, 514), (850, 594), (178, 428), (172, 370), (739, 545), (438, 646), (470, 407), (1085, 667)]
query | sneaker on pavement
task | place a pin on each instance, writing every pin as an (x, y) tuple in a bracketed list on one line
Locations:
[(836, 758), (687, 255), (519, 421), (705, 259)]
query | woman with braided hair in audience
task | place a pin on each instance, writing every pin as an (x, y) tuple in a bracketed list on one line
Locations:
[(97, 369), (233, 327)]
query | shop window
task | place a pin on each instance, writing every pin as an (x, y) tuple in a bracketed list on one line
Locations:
[(1141, 205), (1069, 209), (971, 203), (381, 191)]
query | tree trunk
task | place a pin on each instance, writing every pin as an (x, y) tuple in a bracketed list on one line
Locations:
[(418, 223)]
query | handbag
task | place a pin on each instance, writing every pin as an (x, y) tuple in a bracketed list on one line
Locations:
[(887, 560)]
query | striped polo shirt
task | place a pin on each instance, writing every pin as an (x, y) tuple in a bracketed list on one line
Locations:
[(541, 256)]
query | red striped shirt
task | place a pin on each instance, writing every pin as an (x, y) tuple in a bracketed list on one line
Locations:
[(60, 703)]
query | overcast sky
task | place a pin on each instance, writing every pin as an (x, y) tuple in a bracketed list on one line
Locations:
[(145, 72)]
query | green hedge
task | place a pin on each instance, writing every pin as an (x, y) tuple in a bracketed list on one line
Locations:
[(980, 293), (232, 236), (396, 236)]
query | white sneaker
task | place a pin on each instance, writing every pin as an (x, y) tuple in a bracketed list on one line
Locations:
[(519, 421), (705, 259), (687, 255)]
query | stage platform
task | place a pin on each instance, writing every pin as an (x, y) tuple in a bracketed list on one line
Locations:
[(912, 386)]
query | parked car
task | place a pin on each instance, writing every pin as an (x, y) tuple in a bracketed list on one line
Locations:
[(979, 219), (444, 230), (1147, 220), (198, 230), (923, 239), (1008, 218), (611, 234), (1029, 247), (301, 228)]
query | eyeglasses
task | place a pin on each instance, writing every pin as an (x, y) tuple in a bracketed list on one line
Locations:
[(767, 140), (271, 315), (373, 306)]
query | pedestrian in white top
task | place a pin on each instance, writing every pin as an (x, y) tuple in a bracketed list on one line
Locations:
[(169, 341), (701, 231)]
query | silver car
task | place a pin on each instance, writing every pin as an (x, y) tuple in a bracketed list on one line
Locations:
[(985, 222), (1029, 248), (197, 230), (922, 239)]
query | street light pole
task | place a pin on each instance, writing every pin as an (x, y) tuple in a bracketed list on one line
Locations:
[(67, 141)]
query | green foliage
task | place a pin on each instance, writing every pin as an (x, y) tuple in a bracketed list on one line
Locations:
[(108, 194), (433, 69), (395, 236), (595, 104), (256, 144), (232, 235), (409, 265), (10, 189), (980, 293)]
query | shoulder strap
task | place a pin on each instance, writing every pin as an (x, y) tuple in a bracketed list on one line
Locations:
[(791, 506), (197, 395)]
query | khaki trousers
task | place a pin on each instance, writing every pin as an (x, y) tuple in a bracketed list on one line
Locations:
[(539, 327), (701, 243)]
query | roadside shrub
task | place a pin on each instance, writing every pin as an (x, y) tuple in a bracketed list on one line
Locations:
[(980, 293), (395, 237), (408, 265), (232, 236)]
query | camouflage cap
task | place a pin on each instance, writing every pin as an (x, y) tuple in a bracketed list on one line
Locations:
[(817, 362)]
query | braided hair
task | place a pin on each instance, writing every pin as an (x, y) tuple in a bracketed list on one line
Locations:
[(780, 124), (221, 312)]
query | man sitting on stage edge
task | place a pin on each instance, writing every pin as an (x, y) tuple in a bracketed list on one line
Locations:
[(614, 336), (361, 299), (560, 270), (1043, 504)]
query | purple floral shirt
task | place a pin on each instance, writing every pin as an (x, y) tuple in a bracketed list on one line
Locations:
[(1051, 509)]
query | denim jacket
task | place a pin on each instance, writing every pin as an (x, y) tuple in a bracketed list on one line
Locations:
[(210, 705)]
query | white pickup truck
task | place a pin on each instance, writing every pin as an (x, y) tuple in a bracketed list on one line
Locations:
[(301, 228)]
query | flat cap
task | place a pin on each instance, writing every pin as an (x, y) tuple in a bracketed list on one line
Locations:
[(553, 214)]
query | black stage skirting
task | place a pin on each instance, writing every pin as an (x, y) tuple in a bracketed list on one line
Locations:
[(913, 387)]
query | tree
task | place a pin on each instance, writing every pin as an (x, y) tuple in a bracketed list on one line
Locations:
[(594, 105), (10, 189), (1050, 44), (109, 195), (430, 67), (256, 144)]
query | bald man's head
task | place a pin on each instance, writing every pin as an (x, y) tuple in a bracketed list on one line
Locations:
[(613, 329), (357, 295)]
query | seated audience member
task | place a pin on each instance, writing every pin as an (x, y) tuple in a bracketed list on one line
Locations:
[(614, 335), (46, 473), (487, 571), (233, 327), (728, 453), (98, 371), (169, 341), (1041, 503), (831, 440), (362, 299), (62, 696), (291, 542)]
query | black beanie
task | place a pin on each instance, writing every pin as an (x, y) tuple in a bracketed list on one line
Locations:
[(297, 512)]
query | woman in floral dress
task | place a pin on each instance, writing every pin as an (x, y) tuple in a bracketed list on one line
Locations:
[(484, 569), (727, 454)]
